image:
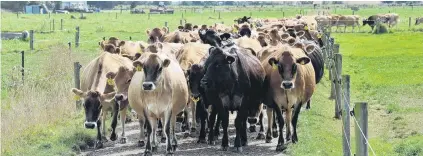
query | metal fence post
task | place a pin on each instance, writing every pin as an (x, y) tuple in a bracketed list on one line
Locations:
[(77, 37), (360, 112), (346, 141), (23, 65), (337, 81), (77, 67), (31, 39), (61, 24), (116, 15)]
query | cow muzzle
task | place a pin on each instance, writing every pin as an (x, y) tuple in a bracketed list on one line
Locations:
[(90, 125), (119, 97), (148, 86), (287, 85)]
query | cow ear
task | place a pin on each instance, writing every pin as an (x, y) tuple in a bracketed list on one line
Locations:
[(303, 60), (298, 45), (78, 92), (121, 43), (107, 96), (300, 33), (166, 63), (310, 48), (285, 36), (110, 75), (180, 27), (272, 61), (117, 50), (147, 32), (230, 59), (137, 64), (165, 30), (225, 36)]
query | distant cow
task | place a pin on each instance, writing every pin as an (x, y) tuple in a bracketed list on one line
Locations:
[(290, 82), (347, 20), (419, 20), (242, 20), (97, 93), (159, 90), (233, 81), (159, 35), (391, 19)]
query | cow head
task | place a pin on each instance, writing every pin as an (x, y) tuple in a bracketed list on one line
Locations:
[(121, 79), (152, 68), (219, 68), (209, 37), (287, 68), (92, 105), (195, 74), (156, 34)]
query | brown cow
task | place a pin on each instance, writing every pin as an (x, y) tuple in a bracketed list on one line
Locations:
[(291, 84), (245, 42), (159, 35), (97, 93), (158, 90), (347, 20)]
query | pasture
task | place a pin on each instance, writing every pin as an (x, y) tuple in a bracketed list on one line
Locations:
[(39, 116)]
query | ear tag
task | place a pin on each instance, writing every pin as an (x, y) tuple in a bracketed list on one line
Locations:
[(138, 68), (195, 99), (77, 97), (302, 62), (319, 35), (306, 28), (274, 66), (110, 82)]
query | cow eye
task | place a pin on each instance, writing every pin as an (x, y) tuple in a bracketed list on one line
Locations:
[(129, 81)]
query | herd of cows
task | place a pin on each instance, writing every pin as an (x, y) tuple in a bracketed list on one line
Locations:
[(204, 72)]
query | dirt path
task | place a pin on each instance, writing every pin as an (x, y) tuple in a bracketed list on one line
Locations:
[(187, 146)]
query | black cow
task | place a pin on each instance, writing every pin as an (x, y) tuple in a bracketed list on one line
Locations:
[(242, 20), (233, 81), (371, 21)]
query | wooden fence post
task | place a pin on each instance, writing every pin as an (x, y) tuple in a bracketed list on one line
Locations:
[(23, 65), (130, 37), (360, 113), (180, 22), (219, 14), (77, 37), (77, 67), (332, 67), (49, 15), (165, 24), (346, 141), (61, 24), (17, 14), (148, 15), (337, 80), (283, 14), (70, 45), (53, 25), (183, 14), (116, 15), (31, 39), (409, 23)]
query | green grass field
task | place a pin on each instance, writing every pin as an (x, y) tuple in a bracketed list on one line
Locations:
[(40, 117)]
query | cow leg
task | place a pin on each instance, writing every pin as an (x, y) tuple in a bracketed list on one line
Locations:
[(244, 139), (172, 126), (269, 124), (148, 120), (260, 135), (141, 120), (281, 142), (123, 112), (217, 126), (288, 124), (224, 116), (162, 133), (113, 136), (153, 136), (275, 127), (252, 121), (160, 127), (193, 116), (99, 143), (169, 149), (239, 130), (103, 126), (212, 119), (308, 104), (297, 110), (186, 124), (203, 117)]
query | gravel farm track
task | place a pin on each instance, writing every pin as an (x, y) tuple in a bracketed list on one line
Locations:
[(187, 146)]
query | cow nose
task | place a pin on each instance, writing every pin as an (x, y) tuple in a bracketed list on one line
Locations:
[(147, 86), (90, 125), (119, 97), (287, 85)]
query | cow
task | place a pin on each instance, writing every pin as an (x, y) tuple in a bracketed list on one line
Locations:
[(98, 92), (159, 35), (347, 20), (233, 81), (391, 19), (245, 42), (159, 90), (191, 53), (290, 83), (419, 20), (242, 20)]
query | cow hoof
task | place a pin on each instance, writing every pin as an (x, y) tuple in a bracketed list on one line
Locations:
[(169, 154), (128, 120), (98, 145), (113, 137), (224, 148), (275, 134), (163, 140), (104, 139), (193, 129), (141, 143), (245, 143), (280, 148), (252, 129), (239, 149), (122, 140), (212, 142), (148, 153), (186, 135), (294, 139), (154, 149), (260, 136), (268, 139), (174, 147), (203, 141)]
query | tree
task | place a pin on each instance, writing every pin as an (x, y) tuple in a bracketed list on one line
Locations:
[(133, 5), (13, 5)]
